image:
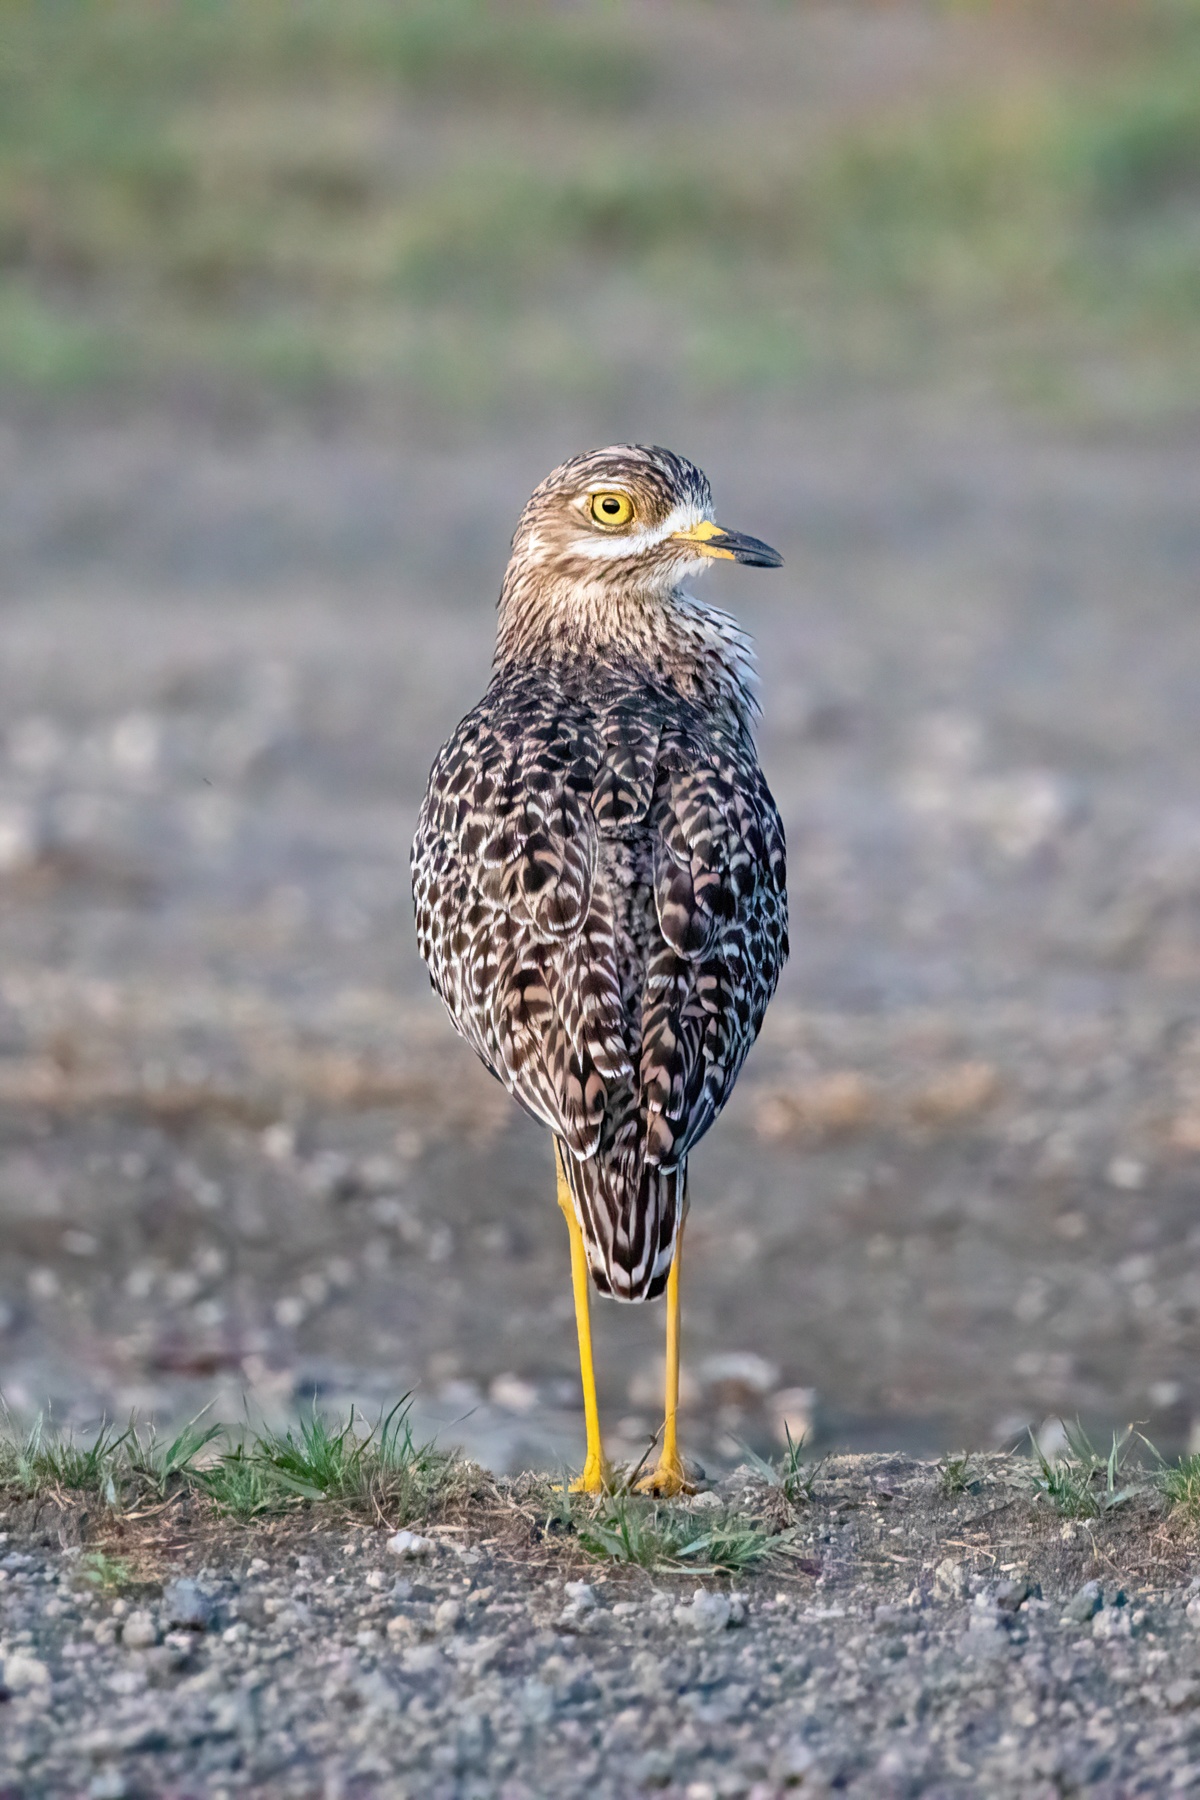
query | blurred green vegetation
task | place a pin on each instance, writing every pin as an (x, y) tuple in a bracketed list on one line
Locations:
[(475, 204)]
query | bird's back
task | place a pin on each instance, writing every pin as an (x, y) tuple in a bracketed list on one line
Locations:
[(600, 893)]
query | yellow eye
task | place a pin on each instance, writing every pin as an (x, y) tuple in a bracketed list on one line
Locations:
[(612, 509)]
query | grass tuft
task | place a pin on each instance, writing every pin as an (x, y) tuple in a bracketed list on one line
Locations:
[(157, 1466), (48, 1458), (1080, 1483), (1179, 1483), (635, 1530), (240, 1487), (109, 1573), (958, 1474), (791, 1476), (381, 1470)]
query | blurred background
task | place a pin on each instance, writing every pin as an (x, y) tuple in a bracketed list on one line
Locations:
[(298, 301)]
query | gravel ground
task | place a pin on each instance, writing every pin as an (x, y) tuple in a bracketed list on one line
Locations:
[(912, 1641)]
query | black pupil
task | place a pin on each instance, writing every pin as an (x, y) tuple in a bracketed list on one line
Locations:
[(611, 506)]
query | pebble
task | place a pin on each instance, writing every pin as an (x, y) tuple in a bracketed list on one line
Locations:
[(1084, 1604), (986, 1635), (792, 1763), (1012, 1594), (186, 1604), (951, 1579), (139, 1631), (710, 1612), (109, 1784), (409, 1543), (1112, 1622), (25, 1674)]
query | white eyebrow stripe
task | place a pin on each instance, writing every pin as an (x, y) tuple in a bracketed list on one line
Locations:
[(601, 547)]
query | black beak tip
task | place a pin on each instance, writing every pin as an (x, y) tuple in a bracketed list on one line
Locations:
[(759, 556), (749, 550)]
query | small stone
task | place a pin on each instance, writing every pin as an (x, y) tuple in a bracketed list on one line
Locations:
[(1012, 1594), (375, 1693), (1112, 1622), (401, 1628), (25, 1674), (653, 1768), (446, 1615), (710, 1612), (1182, 1696), (581, 1594), (513, 1393), (951, 1579), (1193, 1610), (409, 1543), (985, 1635), (709, 1501), (1084, 1604), (738, 1374), (110, 1784), (139, 1631), (186, 1605), (792, 1763), (897, 1619)]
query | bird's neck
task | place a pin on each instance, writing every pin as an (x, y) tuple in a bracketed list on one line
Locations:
[(670, 638)]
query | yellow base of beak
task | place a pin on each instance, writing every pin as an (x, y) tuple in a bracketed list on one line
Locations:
[(711, 539), (702, 536)]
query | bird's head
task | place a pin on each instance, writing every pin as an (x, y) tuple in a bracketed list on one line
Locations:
[(605, 543)]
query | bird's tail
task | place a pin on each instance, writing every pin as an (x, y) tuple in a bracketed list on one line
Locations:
[(630, 1213)]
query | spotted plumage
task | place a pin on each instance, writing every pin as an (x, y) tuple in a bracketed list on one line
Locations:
[(599, 865)]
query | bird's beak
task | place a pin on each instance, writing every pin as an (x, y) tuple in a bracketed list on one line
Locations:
[(712, 540)]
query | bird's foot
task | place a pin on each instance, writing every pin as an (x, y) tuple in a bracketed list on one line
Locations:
[(671, 1478), (596, 1478)]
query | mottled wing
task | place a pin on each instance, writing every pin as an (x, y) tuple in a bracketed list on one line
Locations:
[(721, 901), (517, 934)]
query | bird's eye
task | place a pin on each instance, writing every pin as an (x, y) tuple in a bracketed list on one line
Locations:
[(612, 509)]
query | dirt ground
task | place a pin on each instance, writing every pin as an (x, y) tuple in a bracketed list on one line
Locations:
[(243, 1155)]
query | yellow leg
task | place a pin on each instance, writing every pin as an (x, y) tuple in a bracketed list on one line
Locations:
[(670, 1476), (595, 1477)]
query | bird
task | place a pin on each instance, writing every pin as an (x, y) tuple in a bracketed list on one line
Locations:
[(599, 871)]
